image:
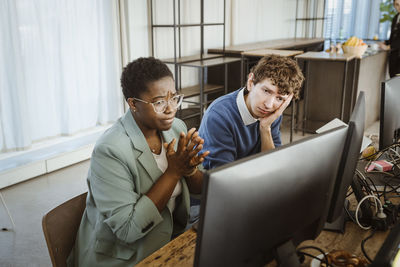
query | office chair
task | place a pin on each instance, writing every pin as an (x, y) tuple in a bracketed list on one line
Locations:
[(60, 226)]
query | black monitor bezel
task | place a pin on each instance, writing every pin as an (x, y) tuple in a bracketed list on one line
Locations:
[(383, 127), (350, 156), (316, 227)]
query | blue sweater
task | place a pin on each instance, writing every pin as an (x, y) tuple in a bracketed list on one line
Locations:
[(227, 137)]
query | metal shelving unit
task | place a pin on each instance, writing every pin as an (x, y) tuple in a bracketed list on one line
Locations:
[(199, 96)]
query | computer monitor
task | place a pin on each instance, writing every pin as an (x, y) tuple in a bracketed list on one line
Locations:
[(348, 164), (389, 253), (390, 109), (264, 205)]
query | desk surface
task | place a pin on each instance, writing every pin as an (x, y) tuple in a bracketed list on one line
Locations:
[(180, 251), (272, 44), (265, 52), (211, 62), (326, 56)]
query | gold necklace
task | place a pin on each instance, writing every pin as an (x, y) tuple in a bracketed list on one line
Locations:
[(156, 147)]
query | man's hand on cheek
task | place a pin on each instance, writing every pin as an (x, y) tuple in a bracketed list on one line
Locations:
[(267, 121)]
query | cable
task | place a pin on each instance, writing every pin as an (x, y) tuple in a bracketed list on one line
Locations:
[(315, 257), (363, 181), (394, 161), (348, 214), (382, 172), (315, 248), (350, 193), (359, 173), (372, 183), (362, 246), (393, 150), (384, 192), (393, 189), (376, 210)]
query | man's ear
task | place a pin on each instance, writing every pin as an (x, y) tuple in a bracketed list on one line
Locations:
[(250, 81)]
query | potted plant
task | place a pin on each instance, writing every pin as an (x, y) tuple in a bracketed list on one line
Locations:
[(387, 11)]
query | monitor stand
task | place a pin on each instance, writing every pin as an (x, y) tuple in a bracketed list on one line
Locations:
[(365, 211), (340, 223), (286, 255)]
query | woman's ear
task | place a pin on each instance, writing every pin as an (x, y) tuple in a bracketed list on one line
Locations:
[(131, 104), (250, 81)]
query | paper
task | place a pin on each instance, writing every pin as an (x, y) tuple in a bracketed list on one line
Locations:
[(331, 125), (337, 123)]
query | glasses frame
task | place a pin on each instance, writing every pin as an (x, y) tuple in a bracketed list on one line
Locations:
[(168, 102)]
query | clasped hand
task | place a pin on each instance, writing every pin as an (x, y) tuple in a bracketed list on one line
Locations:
[(186, 158)]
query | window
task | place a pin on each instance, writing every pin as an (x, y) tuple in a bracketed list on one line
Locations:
[(346, 18), (60, 69)]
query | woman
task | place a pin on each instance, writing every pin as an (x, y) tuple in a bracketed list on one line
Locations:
[(140, 176), (393, 44)]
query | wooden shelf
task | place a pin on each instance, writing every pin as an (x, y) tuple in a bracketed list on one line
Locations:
[(211, 62), (201, 61), (183, 115), (180, 60), (195, 90), (287, 43), (191, 117), (265, 52), (325, 56)]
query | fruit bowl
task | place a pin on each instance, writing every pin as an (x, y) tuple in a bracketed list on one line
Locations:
[(358, 51)]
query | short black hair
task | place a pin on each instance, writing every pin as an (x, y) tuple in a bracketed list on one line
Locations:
[(139, 73)]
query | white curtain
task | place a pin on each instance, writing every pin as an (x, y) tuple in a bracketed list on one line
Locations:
[(59, 70), (360, 18)]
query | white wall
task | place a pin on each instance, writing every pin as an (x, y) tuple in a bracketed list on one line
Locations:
[(247, 21), (252, 21), (260, 20)]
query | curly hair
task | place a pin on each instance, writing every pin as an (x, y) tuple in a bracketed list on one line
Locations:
[(139, 73), (283, 72)]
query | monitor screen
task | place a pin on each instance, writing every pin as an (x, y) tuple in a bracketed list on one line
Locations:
[(390, 110), (350, 156), (254, 207)]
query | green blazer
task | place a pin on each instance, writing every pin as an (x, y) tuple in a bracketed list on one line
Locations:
[(121, 225)]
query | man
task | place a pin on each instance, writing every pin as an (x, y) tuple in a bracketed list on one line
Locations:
[(393, 44), (248, 120)]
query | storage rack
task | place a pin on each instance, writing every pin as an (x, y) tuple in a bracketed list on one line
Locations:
[(208, 87)]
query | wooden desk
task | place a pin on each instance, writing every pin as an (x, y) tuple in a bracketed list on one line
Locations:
[(247, 56), (334, 80), (288, 43), (370, 73), (180, 251), (328, 87), (265, 52)]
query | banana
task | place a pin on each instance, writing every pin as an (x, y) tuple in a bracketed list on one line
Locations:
[(351, 41), (354, 41)]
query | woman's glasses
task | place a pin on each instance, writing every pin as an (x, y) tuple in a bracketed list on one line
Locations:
[(161, 105)]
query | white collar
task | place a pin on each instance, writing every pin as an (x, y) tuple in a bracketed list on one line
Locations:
[(243, 110)]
